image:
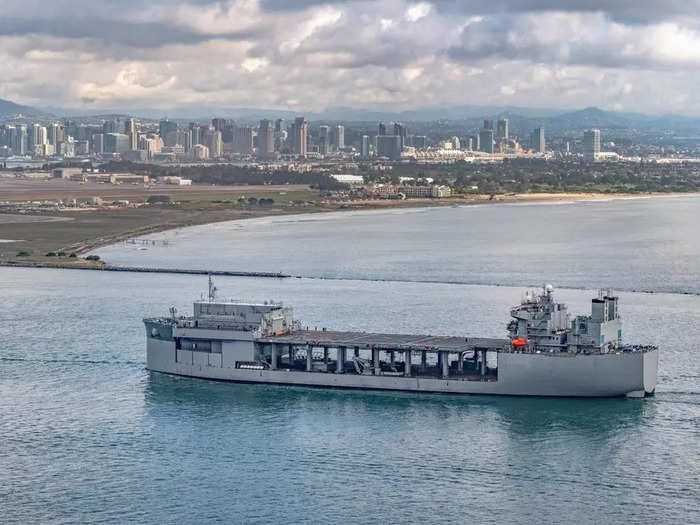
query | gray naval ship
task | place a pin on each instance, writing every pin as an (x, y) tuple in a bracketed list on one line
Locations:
[(547, 353)]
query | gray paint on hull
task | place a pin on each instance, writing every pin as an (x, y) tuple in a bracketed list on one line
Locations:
[(605, 375)]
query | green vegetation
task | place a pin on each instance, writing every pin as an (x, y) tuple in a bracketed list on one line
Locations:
[(539, 176), (223, 174), (23, 253), (158, 199), (92, 258)]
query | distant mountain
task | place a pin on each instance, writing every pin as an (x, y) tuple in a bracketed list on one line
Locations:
[(10, 110)]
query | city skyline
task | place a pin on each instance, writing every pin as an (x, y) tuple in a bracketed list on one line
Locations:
[(311, 55)]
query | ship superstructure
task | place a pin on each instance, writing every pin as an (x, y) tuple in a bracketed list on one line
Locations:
[(547, 353)]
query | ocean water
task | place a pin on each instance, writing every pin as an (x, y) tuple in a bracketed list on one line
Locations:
[(88, 435), (636, 244)]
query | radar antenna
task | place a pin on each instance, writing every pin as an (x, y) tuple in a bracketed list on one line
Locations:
[(212, 290)]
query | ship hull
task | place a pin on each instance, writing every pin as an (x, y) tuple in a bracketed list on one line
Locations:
[(631, 374)]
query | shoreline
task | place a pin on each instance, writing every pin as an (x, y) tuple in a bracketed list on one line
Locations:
[(86, 245), (374, 205)]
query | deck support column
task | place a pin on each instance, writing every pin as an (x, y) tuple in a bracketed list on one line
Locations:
[(273, 356), (375, 361), (325, 355), (460, 363), (407, 363), (483, 363), (445, 364), (291, 356), (309, 358), (392, 357), (423, 360), (357, 351), (340, 367)]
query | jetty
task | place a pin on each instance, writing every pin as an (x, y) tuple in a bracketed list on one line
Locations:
[(141, 269)]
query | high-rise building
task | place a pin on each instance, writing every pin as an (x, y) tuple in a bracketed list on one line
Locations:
[(200, 152), (389, 146), (219, 124), (364, 148), (382, 129), (130, 130), (243, 140), (486, 140), (488, 124), (166, 126), (339, 137), (108, 126), (195, 132), (300, 136), (115, 143), (213, 141), (502, 129), (537, 143), (20, 140), (591, 144), (323, 139), (98, 143), (402, 132), (419, 141), (266, 138)]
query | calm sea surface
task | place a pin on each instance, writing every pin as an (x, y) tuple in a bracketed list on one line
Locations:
[(88, 435)]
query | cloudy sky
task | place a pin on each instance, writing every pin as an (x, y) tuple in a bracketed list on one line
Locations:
[(635, 55)]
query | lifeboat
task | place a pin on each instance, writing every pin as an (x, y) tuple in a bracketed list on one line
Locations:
[(519, 343)]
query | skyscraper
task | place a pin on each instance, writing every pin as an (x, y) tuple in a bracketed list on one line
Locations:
[(364, 149), (166, 126), (300, 134), (115, 143), (486, 140), (130, 130), (339, 137), (502, 129), (243, 140), (382, 129), (218, 124), (537, 142), (389, 146), (402, 132), (324, 139), (591, 144), (214, 143), (488, 124), (266, 138)]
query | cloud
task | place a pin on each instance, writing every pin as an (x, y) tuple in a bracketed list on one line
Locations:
[(389, 54)]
